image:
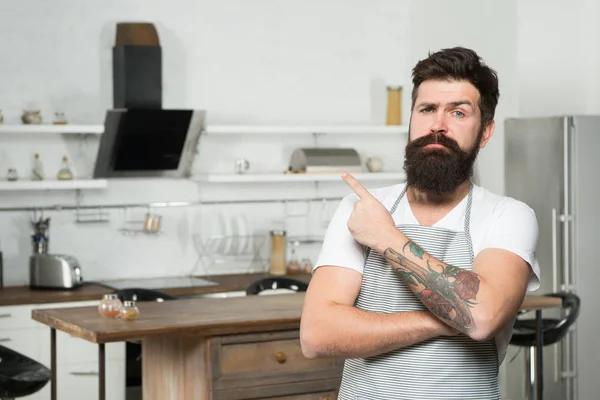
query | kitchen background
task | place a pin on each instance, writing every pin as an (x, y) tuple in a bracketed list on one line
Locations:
[(261, 62), (258, 63)]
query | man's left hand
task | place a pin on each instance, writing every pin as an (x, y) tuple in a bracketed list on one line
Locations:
[(371, 224)]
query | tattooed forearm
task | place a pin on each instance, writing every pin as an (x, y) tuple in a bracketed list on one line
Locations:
[(446, 290)]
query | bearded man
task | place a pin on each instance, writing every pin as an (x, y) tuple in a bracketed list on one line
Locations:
[(417, 285)]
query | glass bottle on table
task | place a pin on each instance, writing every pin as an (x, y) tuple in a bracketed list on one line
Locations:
[(129, 311), (110, 306)]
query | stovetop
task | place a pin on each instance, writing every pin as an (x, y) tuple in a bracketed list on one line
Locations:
[(158, 283)]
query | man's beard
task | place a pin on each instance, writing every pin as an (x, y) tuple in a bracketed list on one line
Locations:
[(438, 170)]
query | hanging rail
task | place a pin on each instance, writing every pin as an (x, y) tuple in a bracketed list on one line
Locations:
[(164, 204)]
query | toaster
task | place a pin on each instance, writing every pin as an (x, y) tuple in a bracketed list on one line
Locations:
[(54, 271)]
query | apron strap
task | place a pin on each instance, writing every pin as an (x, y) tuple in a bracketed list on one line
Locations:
[(467, 226)]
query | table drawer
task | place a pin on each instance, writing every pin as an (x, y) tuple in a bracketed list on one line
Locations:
[(265, 359), (308, 390)]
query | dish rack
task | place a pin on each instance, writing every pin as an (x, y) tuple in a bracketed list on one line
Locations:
[(240, 252)]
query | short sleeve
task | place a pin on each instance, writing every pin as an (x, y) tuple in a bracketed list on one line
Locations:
[(516, 229), (339, 246)]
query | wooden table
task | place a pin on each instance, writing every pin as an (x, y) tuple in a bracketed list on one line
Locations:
[(176, 336)]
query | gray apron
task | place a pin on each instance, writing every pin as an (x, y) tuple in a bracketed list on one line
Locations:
[(456, 367)]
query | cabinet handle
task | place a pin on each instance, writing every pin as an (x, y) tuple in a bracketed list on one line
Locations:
[(89, 373), (280, 357), (326, 397), (5, 315), (5, 339)]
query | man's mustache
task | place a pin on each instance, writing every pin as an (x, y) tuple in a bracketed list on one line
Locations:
[(436, 138)]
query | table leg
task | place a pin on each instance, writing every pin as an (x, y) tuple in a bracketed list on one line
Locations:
[(175, 367), (539, 367), (101, 373), (53, 364)]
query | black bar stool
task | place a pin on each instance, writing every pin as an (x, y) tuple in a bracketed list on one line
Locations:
[(20, 375), (277, 282), (553, 330)]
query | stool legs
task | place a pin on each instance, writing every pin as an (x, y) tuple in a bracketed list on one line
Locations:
[(530, 372)]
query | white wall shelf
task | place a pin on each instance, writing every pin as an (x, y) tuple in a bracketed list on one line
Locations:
[(221, 129), (52, 129), (53, 185), (308, 129), (272, 178)]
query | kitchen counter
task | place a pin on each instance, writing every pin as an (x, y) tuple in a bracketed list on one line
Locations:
[(221, 349), (20, 295), (206, 317)]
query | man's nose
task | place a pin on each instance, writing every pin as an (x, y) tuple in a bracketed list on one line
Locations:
[(439, 124)]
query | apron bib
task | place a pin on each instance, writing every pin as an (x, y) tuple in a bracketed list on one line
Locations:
[(444, 368)]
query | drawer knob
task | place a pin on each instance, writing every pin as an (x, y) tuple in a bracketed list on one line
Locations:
[(280, 357)]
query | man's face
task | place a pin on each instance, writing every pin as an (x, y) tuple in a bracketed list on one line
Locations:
[(445, 136)]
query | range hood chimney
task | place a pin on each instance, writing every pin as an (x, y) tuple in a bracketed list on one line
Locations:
[(137, 67), (141, 139)]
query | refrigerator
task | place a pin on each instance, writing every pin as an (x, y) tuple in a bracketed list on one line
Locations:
[(553, 165)]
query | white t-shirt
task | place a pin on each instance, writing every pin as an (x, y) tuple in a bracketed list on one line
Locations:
[(496, 222)]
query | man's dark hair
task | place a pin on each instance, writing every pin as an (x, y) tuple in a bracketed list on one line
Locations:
[(459, 63)]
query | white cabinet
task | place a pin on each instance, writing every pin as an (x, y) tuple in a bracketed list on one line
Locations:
[(12, 317), (80, 381), (72, 350), (24, 341), (19, 332), (77, 359)]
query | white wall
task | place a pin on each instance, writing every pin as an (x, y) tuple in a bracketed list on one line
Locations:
[(244, 62), (265, 62), (554, 54)]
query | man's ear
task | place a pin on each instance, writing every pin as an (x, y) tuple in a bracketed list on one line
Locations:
[(488, 131)]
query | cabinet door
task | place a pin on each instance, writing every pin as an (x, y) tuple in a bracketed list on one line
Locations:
[(12, 317), (24, 341), (80, 381), (73, 350)]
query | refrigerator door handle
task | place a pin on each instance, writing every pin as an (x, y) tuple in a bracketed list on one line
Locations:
[(554, 254), (555, 284)]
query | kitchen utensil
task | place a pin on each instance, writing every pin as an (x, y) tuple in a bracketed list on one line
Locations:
[(152, 223), (374, 164), (325, 160), (241, 165), (54, 271), (31, 117), (40, 237)]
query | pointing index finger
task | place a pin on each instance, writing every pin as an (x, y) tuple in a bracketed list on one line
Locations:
[(356, 186)]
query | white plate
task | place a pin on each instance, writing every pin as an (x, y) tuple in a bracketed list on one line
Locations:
[(244, 234), (211, 232), (227, 229)]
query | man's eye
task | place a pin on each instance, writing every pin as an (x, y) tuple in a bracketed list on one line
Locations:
[(459, 113)]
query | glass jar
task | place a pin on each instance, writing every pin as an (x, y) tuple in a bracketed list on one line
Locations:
[(59, 118), (394, 105), (110, 306), (278, 256), (129, 311), (12, 175)]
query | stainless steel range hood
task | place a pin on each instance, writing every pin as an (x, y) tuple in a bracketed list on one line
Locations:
[(149, 143), (142, 139)]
